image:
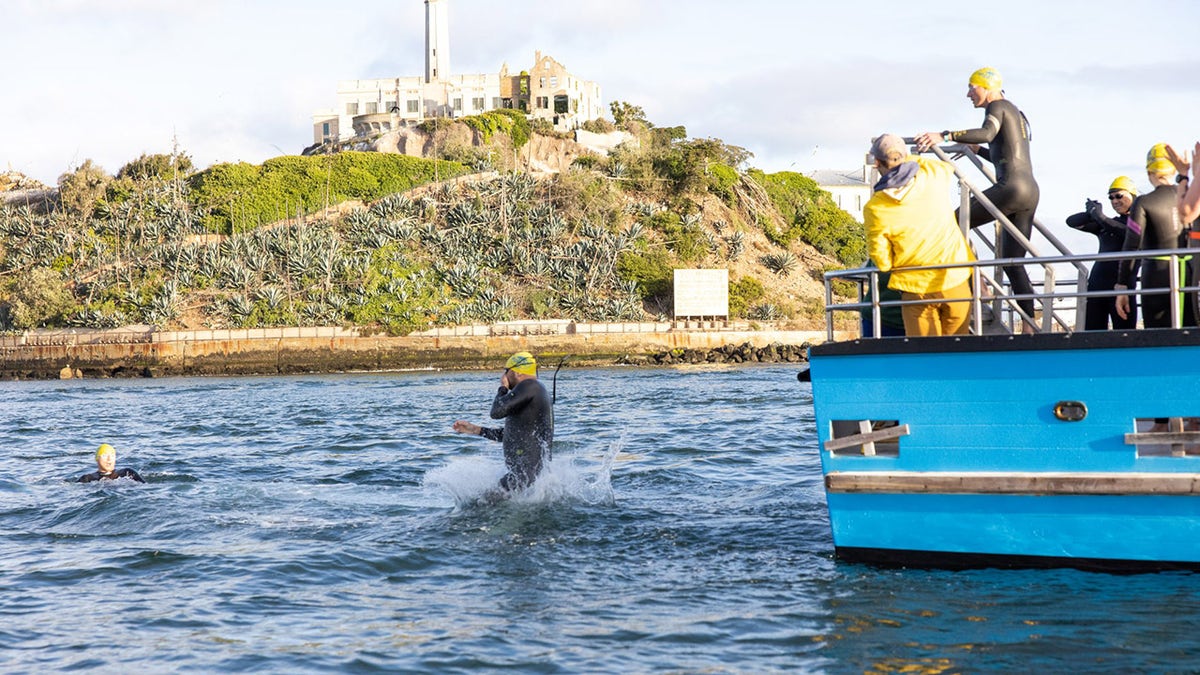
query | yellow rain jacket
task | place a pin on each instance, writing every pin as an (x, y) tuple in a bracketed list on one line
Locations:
[(913, 225)]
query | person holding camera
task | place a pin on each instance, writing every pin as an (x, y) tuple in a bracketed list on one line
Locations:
[(528, 413), (1101, 311)]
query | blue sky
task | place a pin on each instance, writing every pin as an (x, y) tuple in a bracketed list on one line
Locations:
[(803, 85)]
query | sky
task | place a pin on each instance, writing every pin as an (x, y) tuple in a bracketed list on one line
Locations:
[(803, 85)]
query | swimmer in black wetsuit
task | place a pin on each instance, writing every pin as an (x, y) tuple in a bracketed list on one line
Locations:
[(1154, 224), (1006, 131), (528, 414), (1111, 233), (106, 461)]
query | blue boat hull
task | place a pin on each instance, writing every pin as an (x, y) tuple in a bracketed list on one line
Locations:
[(986, 473)]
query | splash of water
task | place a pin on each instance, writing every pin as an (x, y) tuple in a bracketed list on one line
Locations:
[(580, 477)]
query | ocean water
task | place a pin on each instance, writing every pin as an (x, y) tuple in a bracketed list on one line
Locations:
[(334, 523)]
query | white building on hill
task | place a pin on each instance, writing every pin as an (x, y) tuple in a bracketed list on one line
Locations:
[(850, 188), (369, 106)]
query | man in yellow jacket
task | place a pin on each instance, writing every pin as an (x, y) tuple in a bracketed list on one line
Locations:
[(910, 223)]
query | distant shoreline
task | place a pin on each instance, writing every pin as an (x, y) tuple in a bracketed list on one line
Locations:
[(146, 352)]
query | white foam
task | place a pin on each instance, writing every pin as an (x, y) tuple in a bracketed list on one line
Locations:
[(579, 477)]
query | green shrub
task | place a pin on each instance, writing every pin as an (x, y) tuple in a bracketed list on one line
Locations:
[(650, 270), (811, 215), (38, 298), (687, 241), (504, 120), (79, 190), (721, 182), (243, 196), (743, 294)]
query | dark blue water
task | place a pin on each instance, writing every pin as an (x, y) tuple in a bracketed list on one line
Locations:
[(310, 524)]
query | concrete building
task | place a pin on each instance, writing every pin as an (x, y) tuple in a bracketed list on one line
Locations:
[(850, 188), (369, 106)]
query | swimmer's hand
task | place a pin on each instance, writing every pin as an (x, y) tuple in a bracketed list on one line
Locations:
[(927, 140), (464, 427)]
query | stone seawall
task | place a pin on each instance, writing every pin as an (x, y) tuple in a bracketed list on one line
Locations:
[(144, 352)]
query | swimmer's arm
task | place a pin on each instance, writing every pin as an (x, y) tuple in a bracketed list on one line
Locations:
[(984, 134), (130, 473), (508, 401), (464, 427)]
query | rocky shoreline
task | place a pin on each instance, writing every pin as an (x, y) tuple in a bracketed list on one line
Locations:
[(149, 353), (746, 352)]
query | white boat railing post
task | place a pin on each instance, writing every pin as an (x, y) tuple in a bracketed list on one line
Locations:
[(1175, 299), (876, 313)]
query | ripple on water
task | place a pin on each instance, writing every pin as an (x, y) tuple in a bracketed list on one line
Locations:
[(331, 523)]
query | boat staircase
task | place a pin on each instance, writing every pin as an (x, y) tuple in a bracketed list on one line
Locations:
[(1060, 274)]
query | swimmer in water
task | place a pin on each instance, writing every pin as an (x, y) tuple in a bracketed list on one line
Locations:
[(527, 410), (106, 461)]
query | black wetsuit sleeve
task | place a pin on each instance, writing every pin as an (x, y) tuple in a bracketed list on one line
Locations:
[(89, 477), (1083, 222), (492, 434), (130, 473), (984, 134), (509, 400), (1127, 274)]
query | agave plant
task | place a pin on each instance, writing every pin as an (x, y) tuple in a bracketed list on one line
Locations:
[(737, 245), (764, 312), (781, 263)]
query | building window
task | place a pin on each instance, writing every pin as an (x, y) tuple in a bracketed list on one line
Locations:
[(325, 129), (413, 105), (553, 80), (543, 102), (496, 103), (477, 103), (457, 104), (372, 107), (542, 82), (352, 108), (392, 106)]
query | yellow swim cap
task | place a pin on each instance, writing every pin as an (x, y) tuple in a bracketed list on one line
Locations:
[(105, 449), (988, 78), (1157, 160), (1123, 183), (523, 363)]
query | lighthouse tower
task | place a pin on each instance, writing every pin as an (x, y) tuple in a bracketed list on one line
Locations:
[(437, 40)]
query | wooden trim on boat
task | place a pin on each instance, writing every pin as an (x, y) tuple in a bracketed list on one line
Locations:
[(878, 436), (1013, 483)]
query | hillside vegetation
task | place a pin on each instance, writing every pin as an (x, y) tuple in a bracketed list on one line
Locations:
[(386, 242)]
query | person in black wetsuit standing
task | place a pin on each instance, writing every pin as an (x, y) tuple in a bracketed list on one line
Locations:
[(106, 463), (528, 413), (1154, 224), (1111, 233), (1006, 132)]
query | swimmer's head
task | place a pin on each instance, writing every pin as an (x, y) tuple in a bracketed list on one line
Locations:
[(106, 457), (1157, 161), (523, 363), (1123, 183), (986, 78)]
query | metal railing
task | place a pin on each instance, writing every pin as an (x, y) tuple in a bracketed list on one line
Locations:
[(1002, 301), (867, 280)]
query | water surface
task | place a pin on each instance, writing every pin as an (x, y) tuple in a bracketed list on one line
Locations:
[(317, 523)]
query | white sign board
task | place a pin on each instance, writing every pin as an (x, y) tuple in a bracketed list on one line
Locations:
[(701, 293)]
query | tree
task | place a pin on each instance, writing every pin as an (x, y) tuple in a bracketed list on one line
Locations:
[(158, 166), (38, 298), (625, 113), (79, 190)]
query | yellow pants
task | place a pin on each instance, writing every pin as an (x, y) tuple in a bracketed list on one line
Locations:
[(938, 318)]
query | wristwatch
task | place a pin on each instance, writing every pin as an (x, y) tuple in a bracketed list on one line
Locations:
[(1181, 178)]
